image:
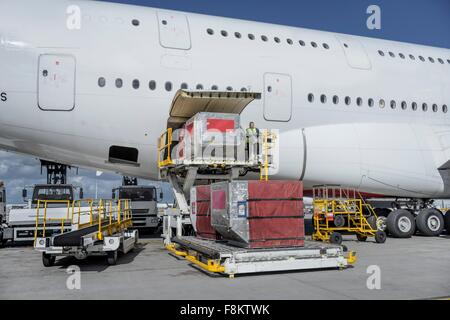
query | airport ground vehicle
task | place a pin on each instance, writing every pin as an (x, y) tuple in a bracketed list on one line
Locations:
[(144, 205), (2, 211), (100, 228), (21, 223)]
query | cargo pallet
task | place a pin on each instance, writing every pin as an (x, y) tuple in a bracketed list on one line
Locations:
[(339, 211), (105, 234), (217, 257)]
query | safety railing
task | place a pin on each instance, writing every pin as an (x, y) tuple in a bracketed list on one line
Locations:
[(165, 149), (268, 139), (108, 215)]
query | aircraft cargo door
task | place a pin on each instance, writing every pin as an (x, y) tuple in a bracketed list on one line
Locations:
[(277, 97), (56, 82), (174, 31)]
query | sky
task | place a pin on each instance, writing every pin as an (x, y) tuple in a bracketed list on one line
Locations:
[(417, 21)]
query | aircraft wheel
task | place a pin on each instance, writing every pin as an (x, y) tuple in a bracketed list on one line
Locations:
[(401, 224), (336, 238), (430, 222), (447, 221), (112, 258), (48, 260)]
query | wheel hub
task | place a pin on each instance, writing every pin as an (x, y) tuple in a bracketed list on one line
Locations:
[(434, 224), (404, 224)]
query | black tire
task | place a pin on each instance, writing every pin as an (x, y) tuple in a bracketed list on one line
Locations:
[(336, 238), (361, 238), (430, 222), (380, 237), (339, 221), (372, 220), (112, 258), (447, 221), (48, 260), (401, 224)]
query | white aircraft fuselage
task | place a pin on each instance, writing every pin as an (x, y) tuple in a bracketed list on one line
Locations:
[(349, 113)]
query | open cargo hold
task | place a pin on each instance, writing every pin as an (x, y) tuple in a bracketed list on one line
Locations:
[(211, 137), (255, 214), (201, 212)]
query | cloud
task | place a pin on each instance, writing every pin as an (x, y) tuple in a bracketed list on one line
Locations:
[(18, 171)]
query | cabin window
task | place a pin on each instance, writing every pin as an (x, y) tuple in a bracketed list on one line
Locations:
[(441, 61), (101, 82), (289, 41), (323, 98), (392, 54), (123, 155), (431, 59), (302, 43), (414, 106), (135, 22), (244, 89), (168, 86), (381, 53), (184, 86), (404, 105), (336, 100), (311, 97), (237, 35), (119, 83), (422, 58), (371, 103), (136, 84), (210, 32), (264, 38), (326, 46), (277, 40), (214, 88), (251, 36), (359, 102), (448, 60), (412, 57), (402, 55), (393, 104), (199, 87), (425, 107), (224, 33), (348, 101), (152, 85), (229, 88), (382, 103), (444, 108), (314, 45), (435, 108)]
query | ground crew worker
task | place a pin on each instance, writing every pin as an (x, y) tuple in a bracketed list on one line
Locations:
[(252, 141)]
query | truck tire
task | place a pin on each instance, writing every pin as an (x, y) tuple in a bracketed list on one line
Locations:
[(430, 222), (48, 260), (401, 224), (112, 257), (336, 238), (447, 221)]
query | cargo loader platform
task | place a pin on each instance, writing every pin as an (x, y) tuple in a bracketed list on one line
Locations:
[(219, 257)]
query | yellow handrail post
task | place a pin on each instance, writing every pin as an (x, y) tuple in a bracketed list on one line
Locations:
[(37, 221), (45, 219)]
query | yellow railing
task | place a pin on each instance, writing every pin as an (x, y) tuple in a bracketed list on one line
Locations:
[(165, 149), (107, 214), (268, 138)]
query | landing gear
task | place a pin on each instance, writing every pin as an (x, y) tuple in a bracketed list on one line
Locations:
[(430, 222), (401, 224), (48, 260), (447, 221)]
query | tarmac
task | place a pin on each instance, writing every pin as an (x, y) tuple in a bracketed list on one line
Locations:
[(416, 268)]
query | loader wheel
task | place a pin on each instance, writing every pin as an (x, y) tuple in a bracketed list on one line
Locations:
[(336, 238), (339, 221), (380, 237), (112, 258), (48, 260), (430, 222), (447, 221), (372, 220), (361, 238), (401, 224)]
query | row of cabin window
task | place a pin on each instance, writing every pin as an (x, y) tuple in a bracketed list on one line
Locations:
[(382, 103), (153, 85), (264, 38), (412, 57)]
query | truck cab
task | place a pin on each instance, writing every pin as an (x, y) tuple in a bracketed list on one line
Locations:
[(144, 205)]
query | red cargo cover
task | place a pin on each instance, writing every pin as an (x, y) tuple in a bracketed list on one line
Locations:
[(203, 224)]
